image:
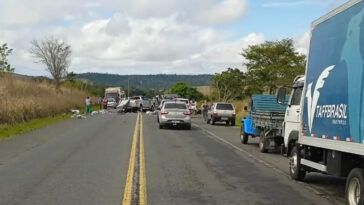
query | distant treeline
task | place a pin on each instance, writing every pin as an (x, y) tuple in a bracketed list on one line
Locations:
[(145, 81)]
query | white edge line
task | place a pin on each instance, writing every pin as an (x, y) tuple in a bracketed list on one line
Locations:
[(308, 186)]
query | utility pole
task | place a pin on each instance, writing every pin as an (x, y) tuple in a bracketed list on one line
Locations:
[(128, 88)]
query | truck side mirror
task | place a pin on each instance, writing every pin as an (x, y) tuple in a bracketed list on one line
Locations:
[(281, 95)]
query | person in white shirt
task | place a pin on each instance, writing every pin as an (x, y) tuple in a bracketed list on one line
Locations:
[(88, 105)]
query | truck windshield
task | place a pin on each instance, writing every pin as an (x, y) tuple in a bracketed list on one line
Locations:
[(296, 96), (224, 107), (112, 95)]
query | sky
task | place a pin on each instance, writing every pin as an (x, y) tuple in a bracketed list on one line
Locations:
[(154, 36)]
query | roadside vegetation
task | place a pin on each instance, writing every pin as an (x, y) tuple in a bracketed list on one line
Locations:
[(28, 103), (24, 99), (269, 65)]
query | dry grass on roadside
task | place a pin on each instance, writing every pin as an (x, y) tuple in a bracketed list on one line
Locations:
[(239, 109), (22, 100)]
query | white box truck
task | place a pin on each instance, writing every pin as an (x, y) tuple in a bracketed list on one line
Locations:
[(324, 120)]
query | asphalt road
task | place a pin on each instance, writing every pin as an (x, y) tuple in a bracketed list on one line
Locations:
[(89, 162)]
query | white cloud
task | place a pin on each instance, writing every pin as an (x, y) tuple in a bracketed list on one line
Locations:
[(302, 43), (226, 11), (132, 37), (289, 3), (286, 3)]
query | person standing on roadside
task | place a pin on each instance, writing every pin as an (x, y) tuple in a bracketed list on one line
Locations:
[(100, 102), (205, 108), (88, 105), (104, 102)]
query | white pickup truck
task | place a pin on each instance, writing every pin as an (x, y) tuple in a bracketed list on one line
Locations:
[(139, 103)]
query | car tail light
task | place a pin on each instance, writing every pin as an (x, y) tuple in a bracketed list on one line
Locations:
[(234, 114), (187, 113), (164, 113)]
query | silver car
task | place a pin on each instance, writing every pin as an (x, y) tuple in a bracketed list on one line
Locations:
[(174, 113), (221, 112)]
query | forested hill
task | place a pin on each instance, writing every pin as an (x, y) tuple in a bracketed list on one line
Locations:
[(146, 81)]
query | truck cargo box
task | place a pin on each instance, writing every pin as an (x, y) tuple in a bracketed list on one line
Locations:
[(333, 101)]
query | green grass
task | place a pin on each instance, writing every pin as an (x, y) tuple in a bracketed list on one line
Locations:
[(20, 128), (8, 131), (238, 121)]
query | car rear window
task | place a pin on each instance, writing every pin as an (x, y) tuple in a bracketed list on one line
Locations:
[(224, 107), (174, 106)]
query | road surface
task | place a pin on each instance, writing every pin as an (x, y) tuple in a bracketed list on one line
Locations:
[(126, 159)]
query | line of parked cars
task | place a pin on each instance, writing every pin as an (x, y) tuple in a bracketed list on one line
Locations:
[(177, 112)]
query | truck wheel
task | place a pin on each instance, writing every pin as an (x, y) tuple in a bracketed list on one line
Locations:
[(262, 146), (295, 169), (243, 136), (354, 192)]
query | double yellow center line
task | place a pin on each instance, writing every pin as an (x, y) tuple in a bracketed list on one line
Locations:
[(135, 188)]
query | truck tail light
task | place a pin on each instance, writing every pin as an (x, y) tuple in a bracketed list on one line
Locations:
[(187, 113), (215, 114), (234, 114), (164, 113)]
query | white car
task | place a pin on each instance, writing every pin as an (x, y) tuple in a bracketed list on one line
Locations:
[(221, 112), (174, 113), (111, 102)]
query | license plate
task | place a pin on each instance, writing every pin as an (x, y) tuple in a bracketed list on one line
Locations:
[(175, 122), (224, 118)]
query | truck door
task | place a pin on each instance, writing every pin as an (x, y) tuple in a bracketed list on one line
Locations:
[(292, 116)]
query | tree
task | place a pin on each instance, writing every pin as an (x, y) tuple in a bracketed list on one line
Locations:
[(5, 51), (55, 55), (272, 64), (183, 90), (229, 84)]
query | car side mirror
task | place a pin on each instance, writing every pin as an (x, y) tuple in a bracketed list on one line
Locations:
[(245, 108), (281, 95)]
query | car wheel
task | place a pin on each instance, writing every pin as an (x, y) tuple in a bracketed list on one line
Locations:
[(212, 122), (227, 122), (207, 120), (295, 169), (188, 127), (354, 192), (160, 126)]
